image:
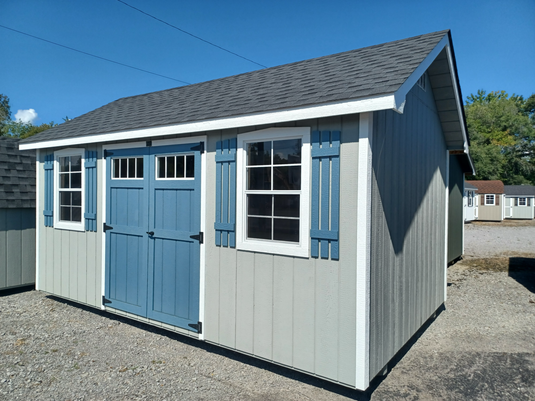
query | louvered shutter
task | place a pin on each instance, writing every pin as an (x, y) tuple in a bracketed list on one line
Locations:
[(325, 197), (225, 219), (90, 214), (483, 200), (497, 200), (48, 210)]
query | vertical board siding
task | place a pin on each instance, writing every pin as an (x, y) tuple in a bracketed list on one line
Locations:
[(490, 212), (455, 210), (70, 261), (408, 224), (225, 220), (298, 312), (17, 247)]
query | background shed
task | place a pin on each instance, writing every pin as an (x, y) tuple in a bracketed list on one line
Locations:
[(17, 215), (519, 201)]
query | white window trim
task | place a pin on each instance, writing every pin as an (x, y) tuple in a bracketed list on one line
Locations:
[(487, 203), (274, 247), (525, 201), (68, 225)]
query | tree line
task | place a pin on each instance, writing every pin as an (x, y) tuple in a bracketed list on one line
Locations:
[(17, 129), (501, 130)]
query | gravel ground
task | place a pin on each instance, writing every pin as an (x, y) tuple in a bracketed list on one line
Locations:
[(481, 346)]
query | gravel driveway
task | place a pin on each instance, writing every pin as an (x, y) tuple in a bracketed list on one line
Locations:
[(481, 346)]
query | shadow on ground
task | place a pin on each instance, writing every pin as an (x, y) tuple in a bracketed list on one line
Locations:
[(523, 271)]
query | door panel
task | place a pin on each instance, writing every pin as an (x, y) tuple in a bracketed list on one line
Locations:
[(152, 263), (174, 217)]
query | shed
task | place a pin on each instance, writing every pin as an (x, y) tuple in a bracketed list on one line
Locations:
[(471, 202), (519, 201), (17, 215), (214, 210), (491, 199)]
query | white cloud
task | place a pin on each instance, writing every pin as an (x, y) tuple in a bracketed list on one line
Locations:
[(26, 116)]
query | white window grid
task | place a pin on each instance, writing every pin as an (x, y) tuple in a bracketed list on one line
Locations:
[(137, 162), (176, 157)]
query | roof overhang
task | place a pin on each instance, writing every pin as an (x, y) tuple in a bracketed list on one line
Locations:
[(439, 64), (375, 103)]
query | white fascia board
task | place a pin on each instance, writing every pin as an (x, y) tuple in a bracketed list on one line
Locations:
[(401, 93), (384, 102)]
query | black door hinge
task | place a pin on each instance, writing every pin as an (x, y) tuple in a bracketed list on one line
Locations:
[(107, 153), (199, 237), (106, 227), (105, 300), (197, 326), (199, 147)]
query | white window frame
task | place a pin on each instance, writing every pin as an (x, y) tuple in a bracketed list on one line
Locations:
[(487, 200), (525, 201), (155, 161), (300, 249), (60, 224)]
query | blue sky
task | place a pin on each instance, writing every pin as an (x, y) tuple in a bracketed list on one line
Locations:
[(494, 42)]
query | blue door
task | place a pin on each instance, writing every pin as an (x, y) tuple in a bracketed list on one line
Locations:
[(153, 235)]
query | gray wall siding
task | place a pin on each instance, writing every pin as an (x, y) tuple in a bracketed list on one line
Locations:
[(408, 224), (17, 247), (70, 262), (455, 210), (298, 312)]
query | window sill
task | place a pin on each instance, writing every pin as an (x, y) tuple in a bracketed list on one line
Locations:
[(63, 225), (274, 248)]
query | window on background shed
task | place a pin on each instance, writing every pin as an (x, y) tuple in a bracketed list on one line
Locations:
[(522, 202), (69, 189), (273, 191), (489, 200)]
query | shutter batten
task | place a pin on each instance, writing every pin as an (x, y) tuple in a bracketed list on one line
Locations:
[(225, 219), (90, 214), (48, 210)]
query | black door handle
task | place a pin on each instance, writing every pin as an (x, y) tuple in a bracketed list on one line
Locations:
[(151, 233)]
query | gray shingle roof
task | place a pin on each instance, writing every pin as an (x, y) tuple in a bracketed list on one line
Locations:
[(526, 190), (469, 186), (17, 175), (361, 73)]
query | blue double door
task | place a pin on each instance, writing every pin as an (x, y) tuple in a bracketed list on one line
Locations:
[(153, 216)]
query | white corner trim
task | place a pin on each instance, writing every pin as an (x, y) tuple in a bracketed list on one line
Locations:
[(37, 220), (363, 261), (446, 216), (385, 102)]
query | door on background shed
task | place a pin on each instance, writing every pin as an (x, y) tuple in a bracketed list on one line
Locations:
[(153, 200)]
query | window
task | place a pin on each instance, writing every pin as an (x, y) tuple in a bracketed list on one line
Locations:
[(127, 168), (522, 202), (470, 198), (489, 200), (68, 189), (175, 167), (273, 191)]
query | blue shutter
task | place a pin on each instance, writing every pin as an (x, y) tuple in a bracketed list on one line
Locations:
[(90, 214), (225, 215), (49, 191), (325, 197)]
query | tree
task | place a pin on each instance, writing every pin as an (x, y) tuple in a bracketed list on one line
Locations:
[(22, 130), (5, 113), (502, 135)]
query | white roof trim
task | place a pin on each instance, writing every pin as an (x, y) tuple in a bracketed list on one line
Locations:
[(401, 93), (375, 103)]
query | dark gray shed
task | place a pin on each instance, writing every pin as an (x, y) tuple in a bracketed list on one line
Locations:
[(298, 213), (17, 215)]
